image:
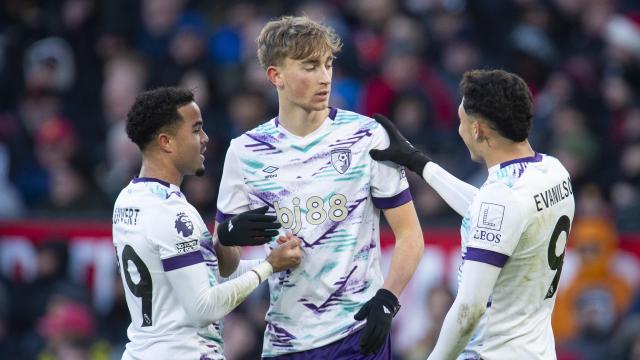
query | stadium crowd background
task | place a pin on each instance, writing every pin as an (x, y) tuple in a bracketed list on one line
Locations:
[(70, 70)]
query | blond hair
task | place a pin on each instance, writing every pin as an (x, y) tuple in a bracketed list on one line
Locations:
[(295, 37)]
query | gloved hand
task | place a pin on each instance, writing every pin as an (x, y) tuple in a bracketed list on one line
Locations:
[(378, 311), (251, 227), (400, 150)]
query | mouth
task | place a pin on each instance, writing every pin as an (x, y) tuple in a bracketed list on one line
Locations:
[(322, 94), (202, 153)]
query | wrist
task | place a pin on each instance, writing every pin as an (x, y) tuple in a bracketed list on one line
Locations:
[(417, 161), (263, 270), (389, 299)]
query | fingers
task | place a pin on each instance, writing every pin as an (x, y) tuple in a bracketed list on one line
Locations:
[(265, 226), (368, 339), (281, 240), (292, 243), (260, 210), (386, 124), (362, 313), (373, 342), (378, 155), (260, 218), (263, 233)]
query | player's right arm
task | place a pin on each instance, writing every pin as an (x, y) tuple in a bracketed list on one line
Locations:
[(455, 192), (497, 227), (233, 199), (189, 275), (249, 228)]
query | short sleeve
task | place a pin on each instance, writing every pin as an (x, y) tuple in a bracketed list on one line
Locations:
[(497, 221), (175, 230), (389, 186), (233, 197)]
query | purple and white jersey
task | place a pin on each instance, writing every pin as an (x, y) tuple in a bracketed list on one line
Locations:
[(519, 220), (326, 189), (155, 230)]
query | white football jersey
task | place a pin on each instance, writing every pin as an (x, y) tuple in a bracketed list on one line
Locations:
[(155, 230), (519, 220), (326, 189)]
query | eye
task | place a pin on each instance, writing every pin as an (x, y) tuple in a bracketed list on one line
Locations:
[(310, 68)]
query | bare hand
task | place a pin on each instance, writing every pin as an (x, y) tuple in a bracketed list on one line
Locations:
[(287, 255)]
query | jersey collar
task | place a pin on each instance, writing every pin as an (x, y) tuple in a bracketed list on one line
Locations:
[(537, 157), (332, 115), (137, 180)]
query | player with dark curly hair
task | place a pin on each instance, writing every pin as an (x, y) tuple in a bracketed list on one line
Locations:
[(514, 228), (169, 262)]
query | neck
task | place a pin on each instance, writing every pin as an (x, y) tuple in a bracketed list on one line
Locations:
[(506, 152), (157, 169), (299, 121)]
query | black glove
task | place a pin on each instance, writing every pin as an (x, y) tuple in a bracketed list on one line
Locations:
[(400, 150), (378, 311), (251, 227)]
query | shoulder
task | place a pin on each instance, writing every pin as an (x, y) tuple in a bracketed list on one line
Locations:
[(266, 129), (173, 215), (158, 201), (262, 139), (269, 127), (501, 196), (344, 117)]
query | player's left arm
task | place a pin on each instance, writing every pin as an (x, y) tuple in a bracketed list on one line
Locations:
[(478, 281), (249, 228), (497, 226), (228, 256), (390, 192), (409, 246)]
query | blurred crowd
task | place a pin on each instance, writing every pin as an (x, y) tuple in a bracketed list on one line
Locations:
[(70, 70)]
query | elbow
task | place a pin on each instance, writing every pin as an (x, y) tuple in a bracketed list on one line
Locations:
[(198, 311), (199, 318), (469, 316), (202, 322), (226, 272)]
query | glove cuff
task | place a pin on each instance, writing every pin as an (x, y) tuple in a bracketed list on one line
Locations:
[(389, 299), (417, 161), (222, 233)]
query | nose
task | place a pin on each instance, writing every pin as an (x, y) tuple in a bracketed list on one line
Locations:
[(205, 138), (325, 76)]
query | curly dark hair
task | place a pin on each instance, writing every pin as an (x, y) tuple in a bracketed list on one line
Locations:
[(154, 110), (501, 98)]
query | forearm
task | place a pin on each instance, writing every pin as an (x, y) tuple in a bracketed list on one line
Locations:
[(478, 281), (243, 267), (206, 304), (455, 192), (228, 256), (406, 256), (458, 326)]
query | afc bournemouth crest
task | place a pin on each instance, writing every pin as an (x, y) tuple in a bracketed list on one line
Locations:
[(341, 159), (183, 224)]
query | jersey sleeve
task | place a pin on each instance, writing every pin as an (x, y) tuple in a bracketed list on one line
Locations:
[(498, 220), (174, 232), (389, 186), (232, 195)]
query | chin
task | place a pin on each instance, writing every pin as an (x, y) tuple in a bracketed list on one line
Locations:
[(476, 158), (199, 172), (318, 107)]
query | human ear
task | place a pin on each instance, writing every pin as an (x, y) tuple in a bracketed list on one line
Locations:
[(274, 74)]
